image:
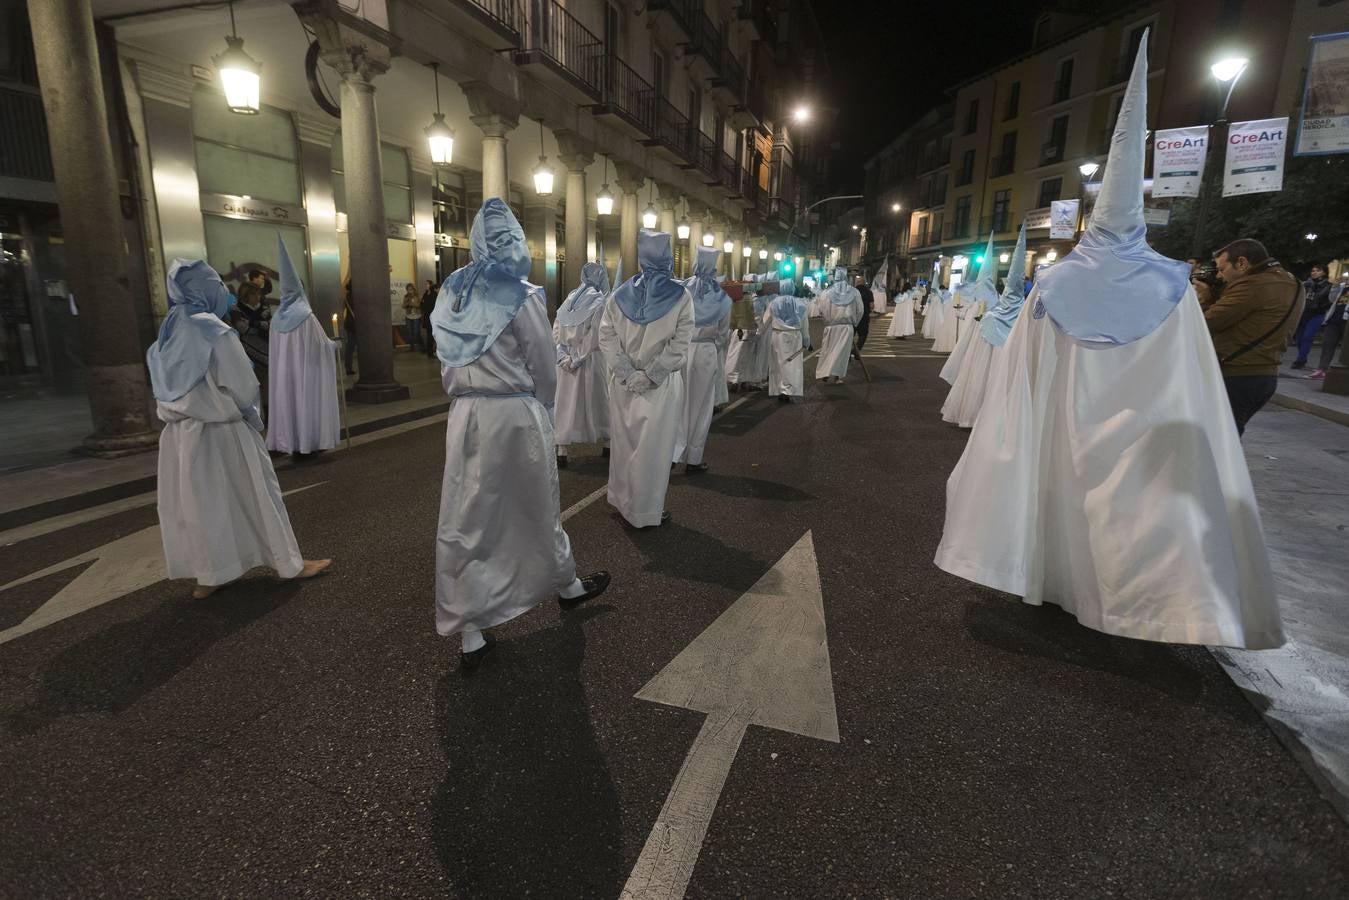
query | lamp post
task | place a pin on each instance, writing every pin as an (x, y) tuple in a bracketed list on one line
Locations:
[(1226, 71)]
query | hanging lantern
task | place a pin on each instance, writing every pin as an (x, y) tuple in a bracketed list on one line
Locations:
[(543, 173), (240, 74), (604, 201), (728, 247), (746, 251), (438, 135), (708, 239), (683, 229), (650, 217), (763, 254)]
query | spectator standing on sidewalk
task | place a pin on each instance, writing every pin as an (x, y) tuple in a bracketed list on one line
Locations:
[(412, 316), (1317, 289), (1334, 323), (428, 306), (1250, 324)]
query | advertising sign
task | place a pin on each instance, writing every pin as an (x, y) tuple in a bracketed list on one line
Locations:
[(1178, 161), (1062, 220), (1323, 127), (1255, 157)]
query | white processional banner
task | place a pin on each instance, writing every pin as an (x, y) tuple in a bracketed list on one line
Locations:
[(1062, 220), (1255, 152), (1178, 161), (1323, 127)]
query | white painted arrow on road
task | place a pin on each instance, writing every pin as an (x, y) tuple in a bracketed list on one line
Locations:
[(765, 661)]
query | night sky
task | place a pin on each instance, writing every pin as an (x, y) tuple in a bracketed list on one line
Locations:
[(890, 61)]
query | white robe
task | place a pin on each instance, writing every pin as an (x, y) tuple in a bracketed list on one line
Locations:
[(901, 323), (747, 356), (644, 427), (966, 396), (582, 409), (933, 315), (302, 409), (722, 391), (878, 301), (702, 372), (969, 332), (500, 547), (950, 328), (840, 323), (786, 364), (220, 506), (1110, 481)]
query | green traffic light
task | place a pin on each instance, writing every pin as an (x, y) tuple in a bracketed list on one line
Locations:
[(979, 259)]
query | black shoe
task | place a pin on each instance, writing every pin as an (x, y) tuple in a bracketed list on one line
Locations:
[(562, 462), (1300, 364), (594, 584), (783, 398), (664, 517), (695, 468), (470, 661), (604, 453)]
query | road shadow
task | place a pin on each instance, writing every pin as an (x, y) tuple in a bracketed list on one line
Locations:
[(527, 799), (109, 672), (743, 419), (677, 551), (739, 486)]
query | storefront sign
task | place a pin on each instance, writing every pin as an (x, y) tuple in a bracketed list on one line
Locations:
[(1037, 218), (1062, 220), (1178, 161), (1255, 153), (236, 207), (1323, 127)]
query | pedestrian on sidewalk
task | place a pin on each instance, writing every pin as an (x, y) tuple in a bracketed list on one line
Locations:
[(428, 306), (644, 333), (1251, 323), (500, 547), (1317, 290), (582, 377), (412, 317), (702, 369), (1334, 324), (220, 506)]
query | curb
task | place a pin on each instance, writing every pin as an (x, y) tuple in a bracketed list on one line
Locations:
[(1322, 412)]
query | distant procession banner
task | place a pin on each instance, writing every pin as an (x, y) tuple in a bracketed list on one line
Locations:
[(1323, 127), (1062, 220), (1178, 161), (1255, 152)]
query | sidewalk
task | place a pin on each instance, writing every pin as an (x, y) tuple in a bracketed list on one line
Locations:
[(69, 482)]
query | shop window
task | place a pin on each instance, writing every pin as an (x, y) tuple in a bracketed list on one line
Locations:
[(256, 156), (234, 246), (397, 174), (1051, 189)]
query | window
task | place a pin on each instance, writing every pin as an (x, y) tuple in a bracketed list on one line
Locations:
[(254, 155), (1043, 29), (922, 231), (1058, 140), (1013, 101), (972, 117), (1063, 82), (961, 226), (397, 174), (1006, 161), (1002, 210), (613, 37), (661, 74), (1135, 39), (1050, 190), (966, 173)]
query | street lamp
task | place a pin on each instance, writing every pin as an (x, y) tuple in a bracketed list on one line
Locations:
[(650, 217), (728, 246), (777, 255), (763, 254), (1051, 255), (1005, 258), (1226, 71), (543, 173), (683, 228), (746, 251), (438, 134), (801, 114), (708, 239), (240, 74), (1088, 169), (894, 207), (1311, 235), (604, 201), (854, 228)]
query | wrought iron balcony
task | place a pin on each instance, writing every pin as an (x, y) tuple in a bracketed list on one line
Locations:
[(493, 21), (671, 130), (731, 174), (705, 159), (756, 13), (1004, 164), (24, 151), (684, 13), (957, 230), (626, 96), (564, 50), (1051, 153)]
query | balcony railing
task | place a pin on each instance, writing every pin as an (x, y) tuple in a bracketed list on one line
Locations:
[(1060, 90), (731, 75), (672, 128), (504, 16), (1051, 153), (957, 230), (628, 95), (24, 150), (560, 39), (730, 173), (1004, 164), (998, 223), (705, 158), (684, 12), (756, 13)]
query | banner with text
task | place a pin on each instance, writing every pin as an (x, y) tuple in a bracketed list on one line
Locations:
[(1323, 127), (1178, 161), (1255, 152), (1062, 220)]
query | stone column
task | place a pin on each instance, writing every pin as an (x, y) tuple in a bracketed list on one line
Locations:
[(540, 227), (577, 157), (669, 197), (696, 213), (497, 116), (737, 265), (630, 180), (91, 210)]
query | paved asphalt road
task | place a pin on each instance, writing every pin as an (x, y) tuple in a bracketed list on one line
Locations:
[(279, 740)]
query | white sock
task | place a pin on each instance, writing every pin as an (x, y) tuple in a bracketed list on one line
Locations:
[(473, 640), (575, 589)]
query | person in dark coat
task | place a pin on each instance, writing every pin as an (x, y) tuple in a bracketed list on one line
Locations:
[(429, 304)]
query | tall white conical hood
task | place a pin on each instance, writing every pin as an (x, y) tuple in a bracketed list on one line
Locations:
[(1113, 288), (294, 309), (998, 321), (985, 287)]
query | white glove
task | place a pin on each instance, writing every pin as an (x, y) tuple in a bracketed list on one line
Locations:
[(639, 383)]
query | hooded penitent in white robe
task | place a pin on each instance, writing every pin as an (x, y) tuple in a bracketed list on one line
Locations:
[(582, 410), (901, 323), (500, 547), (646, 357), (748, 349), (975, 297), (934, 313), (702, 370), (840, 307), (220, 506), (966, 396), (788, 326), (302, 407), (878, 288), (948, 330), (1104, 473)]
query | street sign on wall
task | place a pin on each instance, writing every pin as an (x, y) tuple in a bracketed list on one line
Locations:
[(1323, 126)]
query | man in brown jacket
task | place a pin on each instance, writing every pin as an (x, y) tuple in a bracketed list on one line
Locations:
[(1251, 322)]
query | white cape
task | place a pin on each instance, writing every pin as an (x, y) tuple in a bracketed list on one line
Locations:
[(969, 332), (966, 396), (1110, 481), (901, 323), (933, 315), (948, 330), (786, 364), (581, 414), (702, 374), (302, 409)]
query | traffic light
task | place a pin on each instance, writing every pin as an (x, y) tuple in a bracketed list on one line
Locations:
[(785, 267), (979, 259)]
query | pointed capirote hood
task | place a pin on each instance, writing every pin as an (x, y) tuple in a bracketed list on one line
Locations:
[(985, 287), (294, 309), (1113, 288), (998, 321)]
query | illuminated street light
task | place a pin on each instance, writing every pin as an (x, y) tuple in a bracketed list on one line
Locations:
[(1088, 169), (1052, 255), (683, 229), (650, 217), (240, 74), (1229, 69), (801, 114), (438, 134), (727, 246), (1006, 257), (746, 251), (543, 173), (763, 254), (604, 201), (708, 239), (894, 207), (1312, 235)]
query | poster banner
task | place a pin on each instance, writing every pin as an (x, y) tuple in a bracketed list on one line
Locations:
[(1062, 220), (1323, 127), (1255, 153), (1178, 161)]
